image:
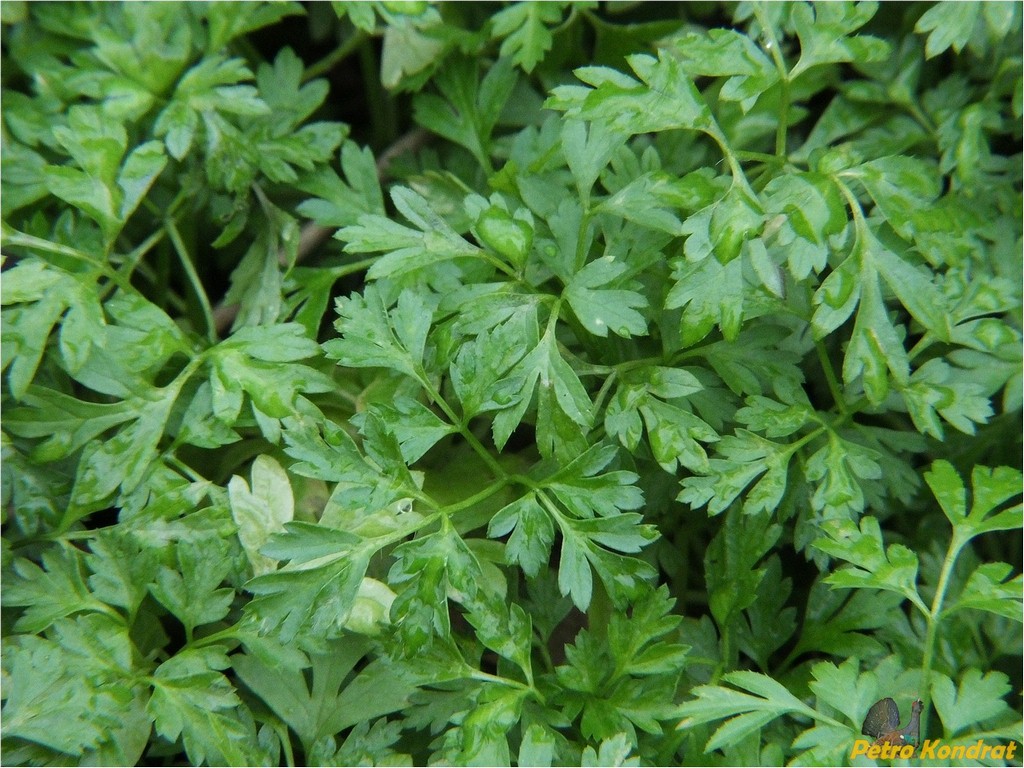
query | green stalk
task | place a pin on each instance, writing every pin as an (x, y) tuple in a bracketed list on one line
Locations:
[(382, 109), (956, 544), (830, 377), (772, 47), (340, 53), (350, 269), (193, 278), (476, 498), (603, 392), (135, 256), (15, 238), (438, 399)]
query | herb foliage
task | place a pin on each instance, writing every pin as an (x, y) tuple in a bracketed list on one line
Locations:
[(656, 401)]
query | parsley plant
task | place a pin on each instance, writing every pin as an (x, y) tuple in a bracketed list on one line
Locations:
[(508, 384)]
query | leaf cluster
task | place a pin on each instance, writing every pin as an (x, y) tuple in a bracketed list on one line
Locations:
[(624, 386)]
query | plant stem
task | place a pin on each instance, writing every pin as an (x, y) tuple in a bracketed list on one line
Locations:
[(382, 108), (438, 399), (340, 53), (476, 498), (760, 157), (581, 241), (132, 259), (15, 238), (193, 278), (772, 46), (603, 392), (344, 270), (932, 618), (830, 377)]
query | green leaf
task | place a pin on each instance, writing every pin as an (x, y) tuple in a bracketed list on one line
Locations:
[(841, 622), (122, 570), (824, 33), (617, 702), (337, 698), (209, 86), (139, 172), (672, 431), (340, 203), (612, 752), (899, 186), (194, 700), (759, 701), (545, 366), (506, 633), (416, 427), (813, 210), (730, 287), (256, 283), (525, 33), (771, 623), (947, 26), (315, 592), (261, 365), (587, 149), (730, 564), (992, 487), (934, 390), (600, 308), (532, 533), (836, 297), (48, 702), (664, 99), (915, 291), (871, 564), (584, 493), (227, 23), (433, 242), (23, 171), (190, 591), (651, 201), (410, 49), (710, 293), (748, 368), (978, 697), (480, 370), (876, 348), (433, 570), (638, 643), (845, 470), (538, 747), (725, 52), (373, 335), (369, 491), (67, 423), (469, 110), (574, 577), (991, 588), (364, 743), (50, 592), (27, 330), (510, 235), (748, 457), (262, 510)]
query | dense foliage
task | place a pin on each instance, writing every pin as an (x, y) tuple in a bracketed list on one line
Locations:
[(656, 401)]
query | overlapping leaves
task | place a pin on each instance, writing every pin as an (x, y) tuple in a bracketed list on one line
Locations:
[(720, 303)]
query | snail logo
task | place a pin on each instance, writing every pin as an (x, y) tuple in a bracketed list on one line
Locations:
[(883, 724)]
